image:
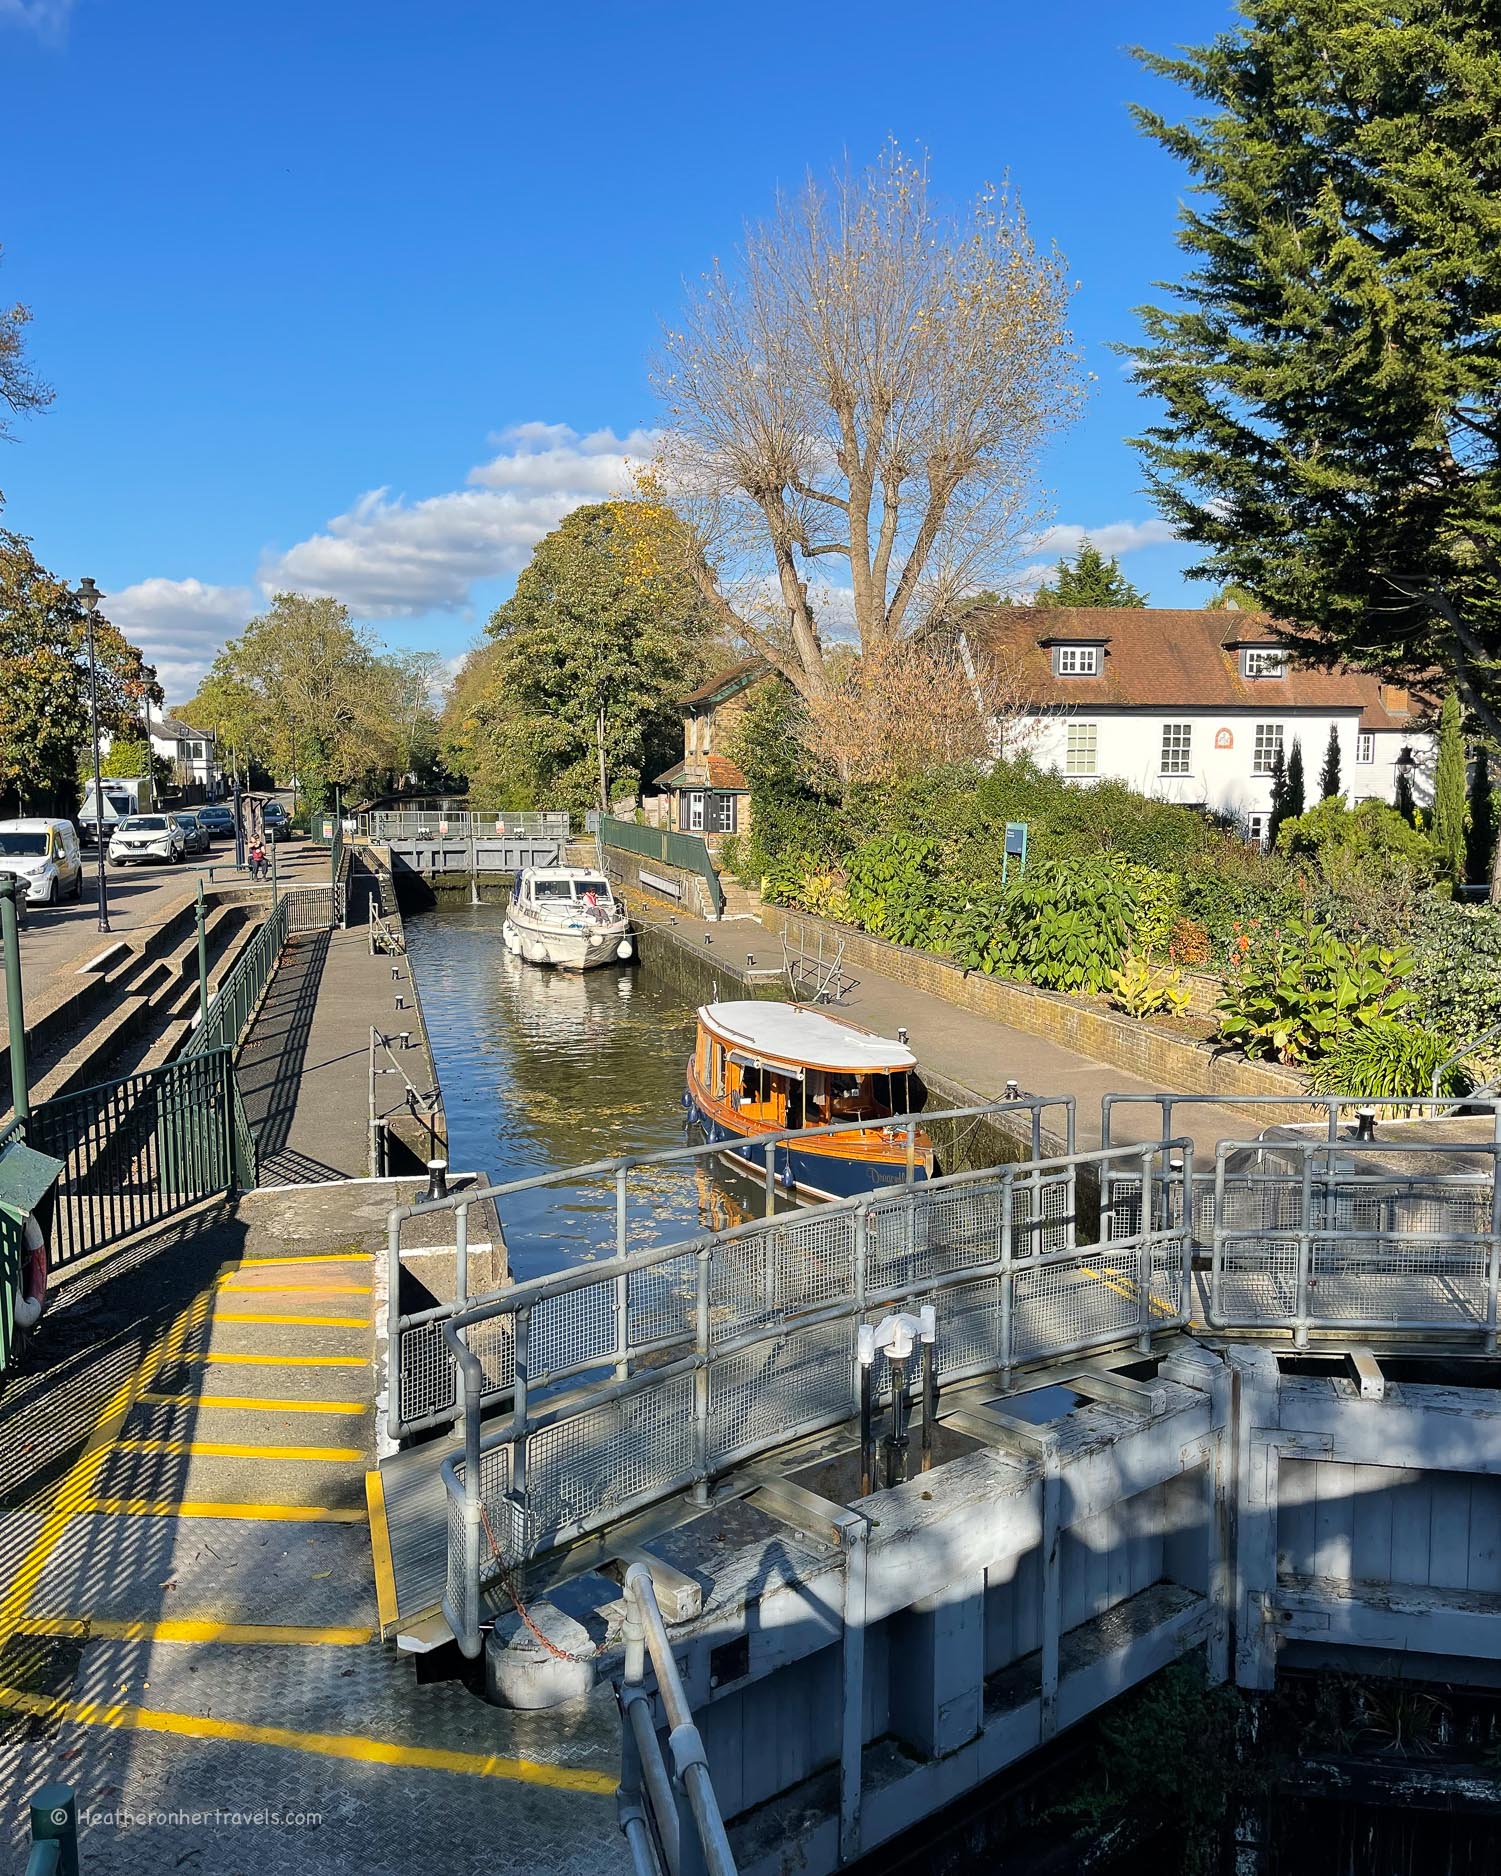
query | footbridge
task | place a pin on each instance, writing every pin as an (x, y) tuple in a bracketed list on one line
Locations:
[(918, 1481)]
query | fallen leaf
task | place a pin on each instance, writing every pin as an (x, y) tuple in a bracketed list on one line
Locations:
[(318, 1575)]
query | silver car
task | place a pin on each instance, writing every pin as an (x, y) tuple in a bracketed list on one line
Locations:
[(195, 835), (142, 837)]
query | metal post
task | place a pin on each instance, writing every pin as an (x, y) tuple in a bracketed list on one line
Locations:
[(98, 780), (929, 1389), (703, 1349), (1008, 1327), (15, 1002), (1144, 1253), (202, 918), (275, 844), (1493, 1254), (622, 1282), (54, 1819), (239, 827), (1305, 1249)]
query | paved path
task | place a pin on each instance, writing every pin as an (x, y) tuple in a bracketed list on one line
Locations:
[(189, 1607), (967, 1048)]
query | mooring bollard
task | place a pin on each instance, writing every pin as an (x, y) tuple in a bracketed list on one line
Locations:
[(54, 1832)]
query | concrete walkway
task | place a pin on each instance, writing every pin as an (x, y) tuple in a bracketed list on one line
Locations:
[(962, 1046), (189, 1608), (304, 1070)]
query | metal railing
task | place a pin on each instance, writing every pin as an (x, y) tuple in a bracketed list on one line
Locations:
[(670, 1816), (421, 1106), (1315, 1234), (383, 824), (305, 908), (138, 1150), (688, 1359), (1465, 1054), (688, 852), (424, 1390), (1325, 1110)]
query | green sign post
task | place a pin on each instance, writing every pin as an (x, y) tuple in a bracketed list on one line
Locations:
[(15, 1002)]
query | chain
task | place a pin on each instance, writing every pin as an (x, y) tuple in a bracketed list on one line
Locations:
[(508, 1583)]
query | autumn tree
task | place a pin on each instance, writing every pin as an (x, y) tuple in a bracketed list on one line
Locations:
[(21, 391), (1089, 579), (44, 700), (576, 697), (229, 708), (1329, 370), (869, 382)]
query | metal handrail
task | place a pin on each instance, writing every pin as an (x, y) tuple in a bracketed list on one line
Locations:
[(647, 1799), (712, 1346), (619, 1171), (1462, 1055), (1332, 1106)]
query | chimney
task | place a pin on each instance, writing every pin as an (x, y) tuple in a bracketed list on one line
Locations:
[(1394, 699)]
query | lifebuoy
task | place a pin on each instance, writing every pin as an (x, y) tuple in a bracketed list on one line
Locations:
[(31, 1297)]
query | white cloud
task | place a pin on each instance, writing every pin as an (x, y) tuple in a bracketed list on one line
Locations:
[(389, 557), (1116, 537), (180, 626), (48, 19)]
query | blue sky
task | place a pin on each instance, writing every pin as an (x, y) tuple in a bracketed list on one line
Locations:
[(360, 297)]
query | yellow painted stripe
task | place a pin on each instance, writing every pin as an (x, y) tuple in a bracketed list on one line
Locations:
[(323, 1257), (380, 1550), (218, 1449), (77, 1486), (1127, 1289), (253, 1403), (328, 1745), (220, 1358), (294, 1289), (242, 1634), (294, 1322), (212, 1508)]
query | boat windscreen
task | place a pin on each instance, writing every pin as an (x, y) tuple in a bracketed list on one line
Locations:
[(552, 889), (599, 887)]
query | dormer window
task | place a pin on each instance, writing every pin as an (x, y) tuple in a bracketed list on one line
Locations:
[(1263, 661), (1076, 660)]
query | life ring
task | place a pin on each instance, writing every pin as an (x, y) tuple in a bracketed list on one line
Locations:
[(31, 1296)]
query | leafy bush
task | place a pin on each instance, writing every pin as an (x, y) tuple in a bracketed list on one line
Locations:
[(1293, 996), (1456, 980), (1140, 991), (1067, 927), (1387, 1060), (1189, 944)]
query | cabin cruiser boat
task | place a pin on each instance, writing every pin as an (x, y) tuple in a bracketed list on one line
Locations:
[(566, 916), (760, 1068)]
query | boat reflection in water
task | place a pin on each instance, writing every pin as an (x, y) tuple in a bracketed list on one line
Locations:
[(760, 1068)]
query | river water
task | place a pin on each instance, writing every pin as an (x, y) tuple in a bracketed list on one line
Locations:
[(545, 1070)]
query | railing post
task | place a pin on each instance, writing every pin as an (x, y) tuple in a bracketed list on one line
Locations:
[(1217, 1239), (394, 1417), (703, 1347), (1144, 1242), (54, 1819), (769, 1156), (474, 1502), (461, 1255), (1305, 1248), (201, 916), (1008, 1326), (15, 1003), (1493, 1253)]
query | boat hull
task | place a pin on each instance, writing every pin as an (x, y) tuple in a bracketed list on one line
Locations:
[(824, 1175), (568, 950)]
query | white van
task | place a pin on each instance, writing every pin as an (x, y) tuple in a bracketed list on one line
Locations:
[(44, 857)]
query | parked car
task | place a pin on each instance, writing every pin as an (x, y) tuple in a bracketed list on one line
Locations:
[(195, 834), (45, 858), (218, 819), (276, 820), (148, 837)]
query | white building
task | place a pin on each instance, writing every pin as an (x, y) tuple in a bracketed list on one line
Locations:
[(1192, 706), (193, 753)]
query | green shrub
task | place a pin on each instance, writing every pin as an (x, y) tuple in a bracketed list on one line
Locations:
[(1292, 996), (1067, 927), (1386, 1060), (1140, 991), (1456, 978)]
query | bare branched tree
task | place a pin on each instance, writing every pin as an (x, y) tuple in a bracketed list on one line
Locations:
[(20, 389), (872, 380)]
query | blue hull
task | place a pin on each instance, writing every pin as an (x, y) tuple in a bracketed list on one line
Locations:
[(818, 1175)]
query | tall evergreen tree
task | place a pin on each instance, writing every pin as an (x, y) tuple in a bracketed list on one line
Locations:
[(1402, 799), (1296, 789), (1330, 371), (1447, 830), (1089, 579), (1279, 798), (1480, 835), (1329, 774)]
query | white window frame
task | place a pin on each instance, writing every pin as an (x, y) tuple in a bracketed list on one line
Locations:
[(1076, 660), (1175, 755), (1276, 737), (1263, 661), (696, 812), (1365, 748), (1256, 828), (1074, 757)]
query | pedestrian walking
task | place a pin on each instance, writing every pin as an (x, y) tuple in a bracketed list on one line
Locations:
[(258, 866)]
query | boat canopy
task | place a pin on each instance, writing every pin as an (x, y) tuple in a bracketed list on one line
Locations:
[(787, 1033)]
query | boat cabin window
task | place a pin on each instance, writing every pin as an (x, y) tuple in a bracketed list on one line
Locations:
[(598, 889), (550, 891), (835, 1097)]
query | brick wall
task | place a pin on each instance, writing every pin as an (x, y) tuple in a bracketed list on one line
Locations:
[(1171, 1062)]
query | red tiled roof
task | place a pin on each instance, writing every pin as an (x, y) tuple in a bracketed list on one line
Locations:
[(1156, 658), (705, 772)]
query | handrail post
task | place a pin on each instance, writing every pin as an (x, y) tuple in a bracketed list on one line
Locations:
[(15, 1006), (1008, 1324), (474, 1502), (622, 1282), (1493, 1253), (1144, 1242), (394, 1411), (54, 1821), (703, 1349), (1305, 1247)]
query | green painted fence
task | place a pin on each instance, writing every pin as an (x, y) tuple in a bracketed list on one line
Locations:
[(688, 852)]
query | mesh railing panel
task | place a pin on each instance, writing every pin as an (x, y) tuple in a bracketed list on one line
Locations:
[(1060, 1307), (427, 1375), (572, 1331), (779, 1270), (604, 1459), (913, 1241), (662, 1301), (780, 1387)]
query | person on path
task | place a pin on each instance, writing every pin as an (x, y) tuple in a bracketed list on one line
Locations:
[(258, 867)]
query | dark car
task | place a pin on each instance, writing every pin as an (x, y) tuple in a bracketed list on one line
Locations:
[(276, 820), (218, 819)]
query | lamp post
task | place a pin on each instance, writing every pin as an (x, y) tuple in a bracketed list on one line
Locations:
[(149, 674), (88, 596)]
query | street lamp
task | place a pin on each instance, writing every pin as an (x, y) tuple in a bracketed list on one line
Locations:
[(148, 673), (88, 597)]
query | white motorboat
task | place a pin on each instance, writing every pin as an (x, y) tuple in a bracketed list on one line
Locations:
[(566, 916)]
